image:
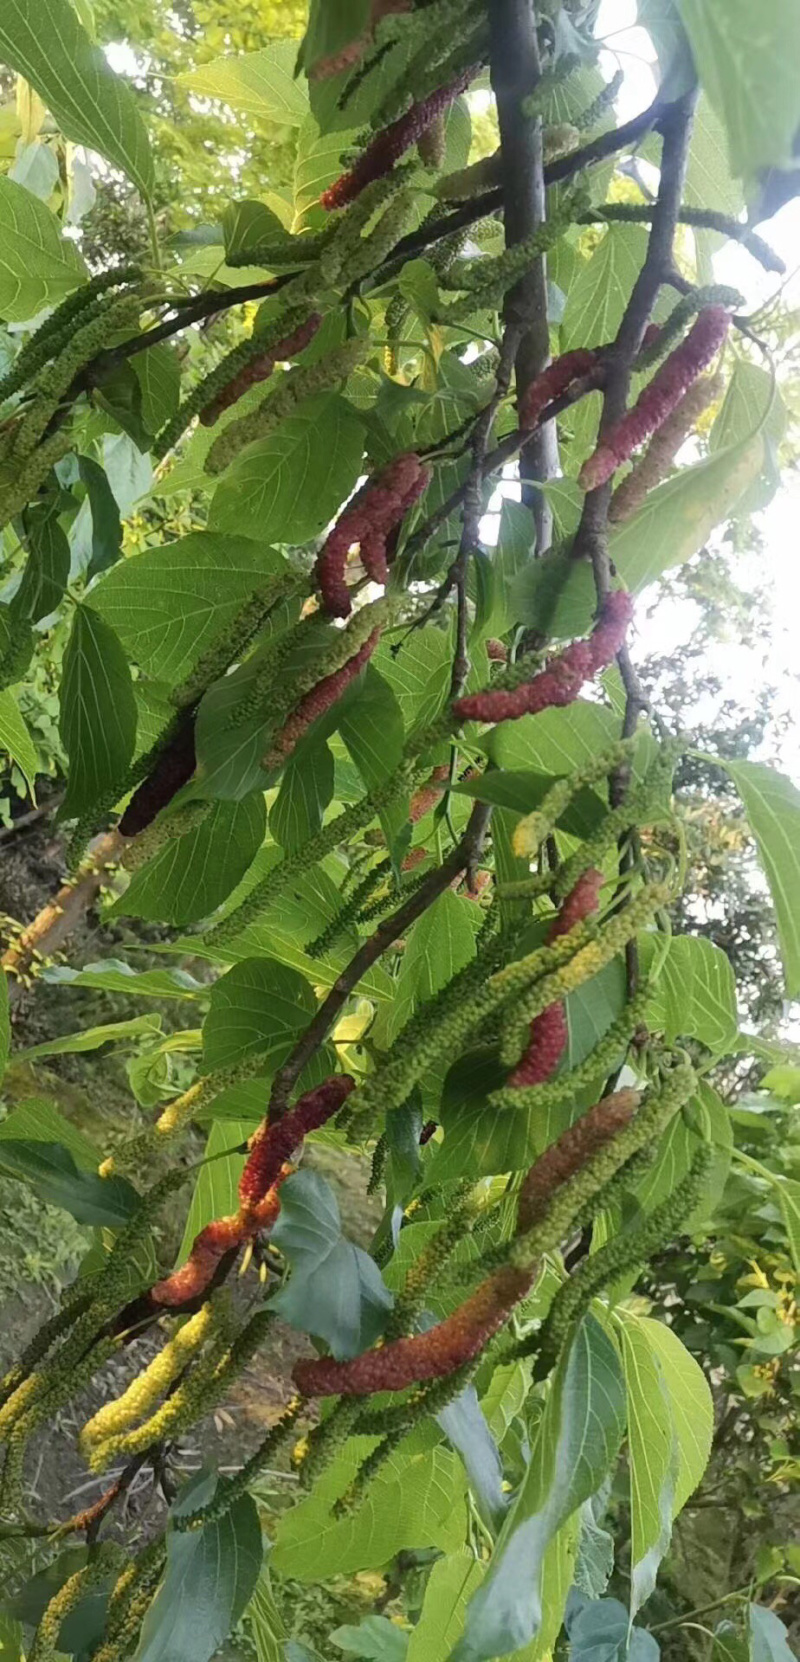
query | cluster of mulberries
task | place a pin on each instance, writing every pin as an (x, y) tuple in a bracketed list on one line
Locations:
[(321, 697), (367, 521), (430, 1355), (275, 1143), (561, 681), (655, 465), (388, 146), (571, 1152), (172, 770), (660, 397), (59, 328), (556, 379), (549, 1034), (260, 369), (300, 383)]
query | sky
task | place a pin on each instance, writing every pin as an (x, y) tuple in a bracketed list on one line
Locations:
[(773, 660)]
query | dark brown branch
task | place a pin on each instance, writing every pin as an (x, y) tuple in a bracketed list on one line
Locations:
[(462, 859), (516, 71)]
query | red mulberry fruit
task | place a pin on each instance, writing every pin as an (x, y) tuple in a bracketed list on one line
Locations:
[(555, 379), (260, 369), (388, 146), (659, 398), (570, 1153), (275, 1143)]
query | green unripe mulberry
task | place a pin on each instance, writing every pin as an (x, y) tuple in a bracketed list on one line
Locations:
[(488, 280), (53, 384), (59, 328), (212, 384), (295, 386), (713, 294), (105, 1559)]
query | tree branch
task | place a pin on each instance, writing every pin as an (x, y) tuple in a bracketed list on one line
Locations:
[(516, 71)]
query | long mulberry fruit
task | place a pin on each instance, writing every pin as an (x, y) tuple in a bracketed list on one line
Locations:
[(367, 520), (274, 1144), (654, 466), (561, 681), (260, 369), (389, 145), (659, 399), (322, 697), (570, 1153), (556, 379), (429, 1355)]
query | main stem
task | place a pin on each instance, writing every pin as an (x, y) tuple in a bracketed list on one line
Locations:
[(515, 72)]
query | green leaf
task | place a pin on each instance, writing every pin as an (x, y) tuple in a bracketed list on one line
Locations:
[(335, 1291), (169, 604), (690, 1402), (194, 873), (464, 1425), (38, 267), (306, 789), (112, 975), (652, 1459), (600, 1631), (440, 943), (679, 516), (47, 567), (555, 742), (749, 76), (15, 738), (158, 372), (695, 994), (43, 40), (5, 1025), (419, 674), (38, 1121), (376, 1638), (249, 225), (452, 1582), (415, 1501), (210, 1576), (98, 712), (260, 1006), (83, 1628), (216, 1192), (577, 1441), (788, 1192), (769, 1637), (317, 163), (229, 748), (91, 1038), (772, 805), (51, 1171), (288, 487), (371, 724), (260, 84), (602, 289), (105, 517), (267, 1627)]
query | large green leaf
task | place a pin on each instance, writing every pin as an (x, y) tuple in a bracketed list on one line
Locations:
[(267, 1627), (260, 84), (600, 1631), (419, 674), (318, 161), (690, 1401), (44, 41), (376, 1639), (306, 789), (113, 975), (440, 943), (772, 805), (652, 1459), (47, 568), (168, 604), (41, 1148), (38, 266), (679, 516), (216, 1192), (260, 1006), (769, 1637), (15, 738), (335, 1290), (194, 873), (371, 724), (416, 1500), (749, 75), (91, 1038), (695, 994), (602, 289), (210, 1576), (577, 1441), (286, 488), (98, 712)]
